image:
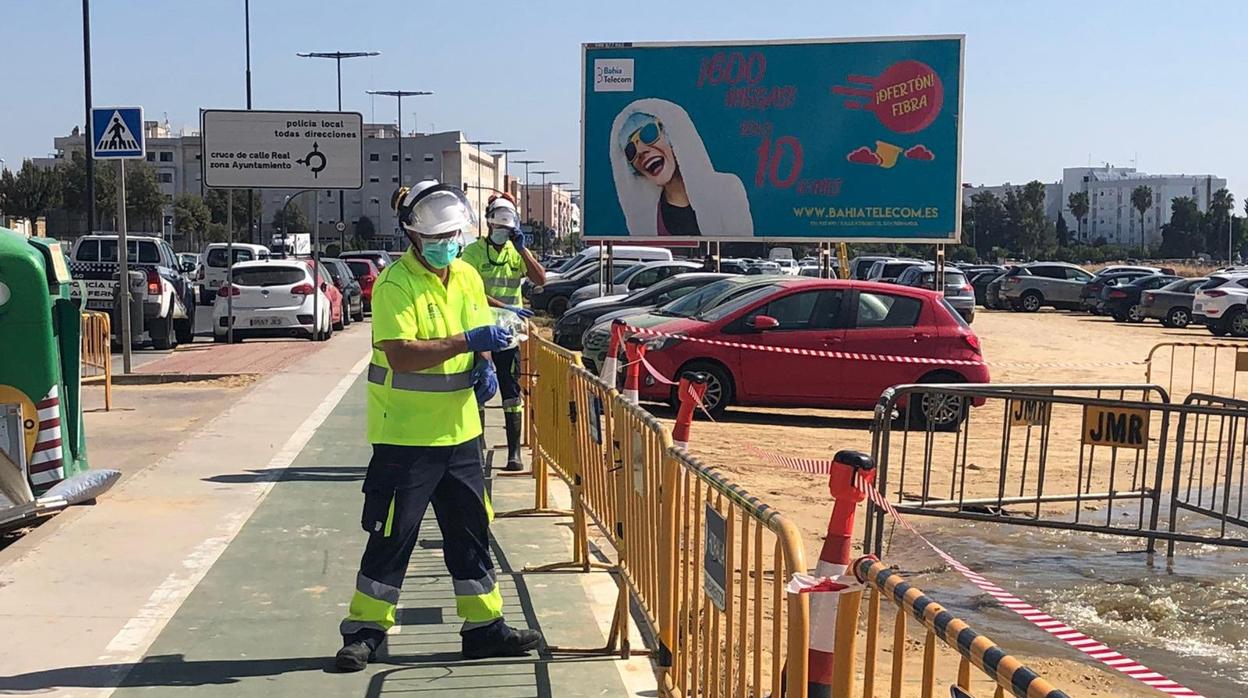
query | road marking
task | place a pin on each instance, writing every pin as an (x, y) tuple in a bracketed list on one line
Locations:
[(138, 634)]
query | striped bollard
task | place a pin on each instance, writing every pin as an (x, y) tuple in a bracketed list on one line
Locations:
[(851, 473), (690, 391), (634, 351), (611, 364)]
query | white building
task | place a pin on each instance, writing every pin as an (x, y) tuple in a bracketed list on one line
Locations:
[(1112, 216)]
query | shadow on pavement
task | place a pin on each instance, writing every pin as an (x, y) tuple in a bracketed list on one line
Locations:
[(332, 473)]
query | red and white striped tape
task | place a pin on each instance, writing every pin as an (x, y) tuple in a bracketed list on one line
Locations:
[(1078, 640)]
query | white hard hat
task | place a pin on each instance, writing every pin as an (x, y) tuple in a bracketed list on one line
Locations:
[(502, 213), (431, 209)]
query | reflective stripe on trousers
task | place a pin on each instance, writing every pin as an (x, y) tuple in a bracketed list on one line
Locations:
[(421, 382)]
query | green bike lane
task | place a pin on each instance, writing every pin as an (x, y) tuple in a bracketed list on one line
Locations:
[(263, 621)]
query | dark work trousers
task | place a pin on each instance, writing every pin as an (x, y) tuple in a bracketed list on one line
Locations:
[(507, 365), (400, 484)]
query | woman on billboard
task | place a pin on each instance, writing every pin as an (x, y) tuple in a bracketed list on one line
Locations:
[(665, 180)]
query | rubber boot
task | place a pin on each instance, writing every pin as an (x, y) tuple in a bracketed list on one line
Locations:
[(514, 423)]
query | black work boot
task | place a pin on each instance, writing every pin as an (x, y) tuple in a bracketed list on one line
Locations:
[(499, 640), (514, 423), (357, 651)]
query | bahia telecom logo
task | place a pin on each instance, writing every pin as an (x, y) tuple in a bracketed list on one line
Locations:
[(613, 75)]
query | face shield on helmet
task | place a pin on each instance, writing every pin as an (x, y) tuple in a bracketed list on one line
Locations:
[(430, 209), (502, 214)]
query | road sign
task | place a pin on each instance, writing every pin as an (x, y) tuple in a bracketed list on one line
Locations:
[(813, 139), (117, 133), (340, 226), (282, 150)]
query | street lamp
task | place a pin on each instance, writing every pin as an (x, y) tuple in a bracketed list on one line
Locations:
[(479, 145), (528, 212), (543, 173), (337, 57), (399, 95), (507, 153)]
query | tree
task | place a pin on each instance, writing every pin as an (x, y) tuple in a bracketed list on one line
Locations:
[(988, 221), (191, 218), (1180, 237), (290, 219), (1218, 221), (31, 193), (218, 202), (145, 204), (364, 228), (1063, 233), (1142, 200), (1077, 202), (1029, 232)]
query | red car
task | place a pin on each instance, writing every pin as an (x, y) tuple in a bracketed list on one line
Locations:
[(331, 293), (826, 315), (366, 273)]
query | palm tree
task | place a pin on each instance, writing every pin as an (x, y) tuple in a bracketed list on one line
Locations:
[(1142, 200), (1078, 204)]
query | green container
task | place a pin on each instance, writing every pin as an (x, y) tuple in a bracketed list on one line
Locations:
[(40, 342)]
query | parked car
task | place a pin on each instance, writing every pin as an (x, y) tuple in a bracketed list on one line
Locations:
[(159, 283), (1172, 303), (636, 278), (213, 272), (810, 270), (366, 273), (820, 314), (554, 297), (733, 266), (1030, 287), (188, 262), (274, 298), (887, 271), (380, 258), (980, 285), (1221, 304), (760, 267), (1124, 301), (860, 267), (349, 287), (957, 289), (787, 266), (628, 254), (597, 337), (1091, 298), (573, 324)]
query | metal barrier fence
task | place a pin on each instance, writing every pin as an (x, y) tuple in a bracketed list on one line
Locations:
[(97, 357), (1210, 368), (1100, 459), (1003, 673)]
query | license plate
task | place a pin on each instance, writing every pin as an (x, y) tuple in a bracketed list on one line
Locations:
[(266, 321)]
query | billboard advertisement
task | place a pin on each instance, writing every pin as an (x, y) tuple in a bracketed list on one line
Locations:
[(836, 139)]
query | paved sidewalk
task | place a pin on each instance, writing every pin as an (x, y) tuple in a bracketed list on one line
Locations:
[(263, 621), (263, 356)]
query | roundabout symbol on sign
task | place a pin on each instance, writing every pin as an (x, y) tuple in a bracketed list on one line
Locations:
[(316, 154)]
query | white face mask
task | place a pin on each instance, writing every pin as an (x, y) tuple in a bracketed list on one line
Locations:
[(499, 236)]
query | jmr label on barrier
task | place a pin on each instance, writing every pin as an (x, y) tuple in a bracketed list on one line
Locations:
[(1033, 413), (1119, 427), (714, 568)]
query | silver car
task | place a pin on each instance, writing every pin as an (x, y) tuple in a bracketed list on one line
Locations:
[(958, 291), (1033, 286)]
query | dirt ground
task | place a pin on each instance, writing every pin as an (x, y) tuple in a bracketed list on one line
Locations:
[(1046, 347)]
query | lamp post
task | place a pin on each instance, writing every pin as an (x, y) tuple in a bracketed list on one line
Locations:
[(337, 57), (399, 95), (253, 230), (507, 153), (479, 145), (528, 213), (87, 133), (543, 173)]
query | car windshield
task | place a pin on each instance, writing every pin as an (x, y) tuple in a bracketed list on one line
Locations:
[(334, 272), (718, 312), (359, 268), (700, 299), (953, 279), (217, 256), (141, 253), (624, 276), (268, 276)]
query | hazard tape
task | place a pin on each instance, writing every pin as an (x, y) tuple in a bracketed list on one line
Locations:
[(1074, 638)]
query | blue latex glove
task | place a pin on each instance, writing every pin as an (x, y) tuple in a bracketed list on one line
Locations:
[(484, 381), (517, 240), (488, 338), (520, 310)]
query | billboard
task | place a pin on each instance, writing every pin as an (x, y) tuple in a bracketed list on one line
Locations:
[(282, 149), (824, 139)]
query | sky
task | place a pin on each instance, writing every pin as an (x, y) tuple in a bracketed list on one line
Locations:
[(1048, 84)]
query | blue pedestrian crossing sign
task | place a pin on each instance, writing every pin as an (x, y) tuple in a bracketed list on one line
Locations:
[(117, 133)]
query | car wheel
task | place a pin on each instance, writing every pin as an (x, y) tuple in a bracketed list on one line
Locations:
[(185, 330), (1135, 313), (719, 388), (358, 316), (1031, 301), (340, 325), (1178, 318), (1218, 329), (163, 336), (218, 338), (346, 314), (1237, 323), (942, 412), (1118, 317), (557, 306)]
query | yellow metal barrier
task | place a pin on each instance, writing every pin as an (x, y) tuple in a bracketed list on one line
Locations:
[(999, 672), (547, 386), (1210, 368), (97, 360)]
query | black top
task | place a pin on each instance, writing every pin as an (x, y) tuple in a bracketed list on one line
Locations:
[(678, 220)]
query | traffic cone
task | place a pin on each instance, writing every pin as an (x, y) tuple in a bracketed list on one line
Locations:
[(611, 364), (634, 351), (690, 391), (852, 472)]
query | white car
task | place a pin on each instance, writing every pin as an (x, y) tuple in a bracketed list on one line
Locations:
[(272, 298), (1222, 304), (213, 269), (787, 266)]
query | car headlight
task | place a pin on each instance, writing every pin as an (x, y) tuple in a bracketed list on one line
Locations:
[(660, 343), (537, 290)]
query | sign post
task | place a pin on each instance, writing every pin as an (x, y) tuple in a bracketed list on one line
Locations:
[(307, 150), (117, 134)]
